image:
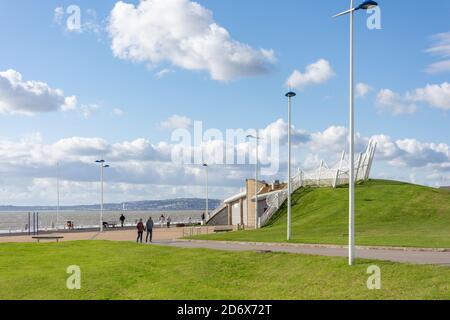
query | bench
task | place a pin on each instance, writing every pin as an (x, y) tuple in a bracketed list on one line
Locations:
[(110, 224), (39, 238), (223, 229)]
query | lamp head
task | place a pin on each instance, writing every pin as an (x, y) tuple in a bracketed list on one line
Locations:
[(100, 161), (366, 5), (291, 94)]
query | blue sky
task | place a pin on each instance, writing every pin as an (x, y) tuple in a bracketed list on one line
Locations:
[(300, 33)]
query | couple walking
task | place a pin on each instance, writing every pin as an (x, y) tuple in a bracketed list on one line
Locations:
[(147, 227)]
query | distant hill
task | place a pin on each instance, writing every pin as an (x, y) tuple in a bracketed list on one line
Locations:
[(156, 205)]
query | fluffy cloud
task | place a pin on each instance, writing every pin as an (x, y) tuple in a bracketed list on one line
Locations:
[(185, 34), (437, 96), (315, 73), (433, 95), (176, 122), (440, 47), (30, 97), (30, 163), (118, 112), (89, 110), (392, 102), (363, 89)]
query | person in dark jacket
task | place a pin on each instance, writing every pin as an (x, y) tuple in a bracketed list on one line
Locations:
[(149, 226), (140, 231), (122, 219)]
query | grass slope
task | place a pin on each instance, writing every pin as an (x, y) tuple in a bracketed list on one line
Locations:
[(387, 213), (111, 270)]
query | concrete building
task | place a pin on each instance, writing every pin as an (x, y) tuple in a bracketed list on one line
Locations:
[(239, 210)]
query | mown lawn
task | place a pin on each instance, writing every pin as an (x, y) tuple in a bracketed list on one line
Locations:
[(112, 270), (388, 213)]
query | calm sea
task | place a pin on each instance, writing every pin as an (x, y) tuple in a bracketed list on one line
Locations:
[(11, 222)]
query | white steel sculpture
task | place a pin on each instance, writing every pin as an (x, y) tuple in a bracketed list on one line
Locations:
[(324, 176)]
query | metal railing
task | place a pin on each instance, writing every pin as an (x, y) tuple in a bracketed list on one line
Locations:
[(322, 177)]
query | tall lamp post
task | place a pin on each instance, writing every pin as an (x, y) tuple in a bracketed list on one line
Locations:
[(351, 248), (57, 196), (206, 174), (102, 166), (289, 95), (256, 138)]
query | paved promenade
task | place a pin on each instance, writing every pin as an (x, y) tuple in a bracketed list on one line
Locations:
[(395, 255), (114, 235), (172, 237)]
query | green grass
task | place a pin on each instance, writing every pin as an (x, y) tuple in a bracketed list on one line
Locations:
[(387, 214), (113, 270)]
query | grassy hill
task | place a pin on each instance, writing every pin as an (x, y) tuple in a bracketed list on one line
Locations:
[(388, 213)]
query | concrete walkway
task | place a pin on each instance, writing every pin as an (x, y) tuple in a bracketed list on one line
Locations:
[(395, 255)]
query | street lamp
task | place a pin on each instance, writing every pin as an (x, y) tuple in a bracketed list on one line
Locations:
[(206, 172), (256, 138), (57, 196), (289, 95), (102, 166), (351, 248)]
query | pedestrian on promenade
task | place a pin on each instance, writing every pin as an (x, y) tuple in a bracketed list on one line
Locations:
[(162, 220), (140, 231), (122, 219), (169, 220), (149, 226)]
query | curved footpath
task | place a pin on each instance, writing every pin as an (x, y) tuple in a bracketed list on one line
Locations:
[(403, 255), (172, 237)]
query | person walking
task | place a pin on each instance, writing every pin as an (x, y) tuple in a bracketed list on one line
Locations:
[(169, 220), (122, 219), (149, 226), (140, 231)]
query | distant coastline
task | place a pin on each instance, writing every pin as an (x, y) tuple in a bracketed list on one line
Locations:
[(184, 204)]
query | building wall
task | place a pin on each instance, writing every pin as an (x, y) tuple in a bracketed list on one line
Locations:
[(220, 219), (251, 219)]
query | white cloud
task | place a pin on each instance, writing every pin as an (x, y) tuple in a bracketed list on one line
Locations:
[(316, 73), (441, 44), (89, 109), (30, 97), (437, 96), (162, 73), (118, 112), (176, 122), (185, 34), (392, 102), (362, 89), (140, 168), (441, 48), (438, 67)]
